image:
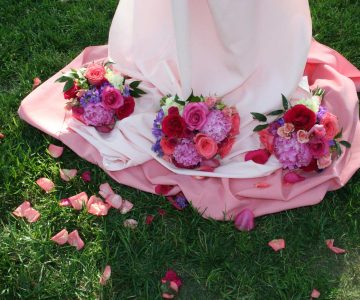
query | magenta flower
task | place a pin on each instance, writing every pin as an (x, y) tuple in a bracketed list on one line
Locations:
[(96, 114), (112, 98), (185, 154), (319, 147), (195, 114)]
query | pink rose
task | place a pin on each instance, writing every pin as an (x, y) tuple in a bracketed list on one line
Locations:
[(267, 139), (195, 115), (324, 161), (319, 147), (302, 136), (95, 74), (331, 124), (210, 101), (286, 130), (318, 131), (168, 145), (206, 146), (112, 98)]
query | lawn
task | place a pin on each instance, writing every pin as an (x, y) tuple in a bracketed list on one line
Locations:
[(37, 38)]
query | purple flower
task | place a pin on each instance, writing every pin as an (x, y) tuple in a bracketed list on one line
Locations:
[(217, 126), (156, 130), (321, 112), (91, 96), (157, 148), (181, 201), (195, 114), (95, 114), (185, 153), (126, 92)]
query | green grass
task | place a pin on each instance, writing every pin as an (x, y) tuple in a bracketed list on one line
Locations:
[(37, 38)]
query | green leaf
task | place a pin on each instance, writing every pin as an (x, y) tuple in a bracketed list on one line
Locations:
[(346, 144), (108, 63), (135, 84), (260, 127), (276, 112), (64, 78), (259, 117), (68, 85), (338, 148), (285, 102), (339, 135)]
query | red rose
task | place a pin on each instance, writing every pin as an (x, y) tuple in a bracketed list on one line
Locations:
[(71, 93), (226, 146), (173, 126), (260, 156), (127, 109), (301, 117)]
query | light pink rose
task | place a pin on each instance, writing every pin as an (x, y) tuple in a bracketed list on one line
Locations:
[(112, 98), (324, 161), (282, 133), (195, 114), (95, 74), (318, 131), (302, 136), (288, 128), (331, 124), (206, 146), (210, 101)]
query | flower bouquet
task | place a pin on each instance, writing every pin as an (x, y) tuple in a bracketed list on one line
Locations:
[(196, 132), (304, 136), (99, 95)]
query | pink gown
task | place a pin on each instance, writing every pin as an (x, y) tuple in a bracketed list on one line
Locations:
[(248, 52)]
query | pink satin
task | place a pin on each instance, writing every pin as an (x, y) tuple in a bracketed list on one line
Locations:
[(44, 109)]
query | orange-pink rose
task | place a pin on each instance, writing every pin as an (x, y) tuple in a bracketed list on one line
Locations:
[(168, 145), (235, 124), (206, 146), (95, 74), (267, 139), (331, 125)]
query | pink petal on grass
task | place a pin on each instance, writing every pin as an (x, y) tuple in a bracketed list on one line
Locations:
[(293, 177), (245, 220), (330, 245), (55, 151), (32, 215), (36, 82), (315, 294), (97, 207), (61, 237), (86, 176), (130, 223), (105, 190), (75, 240), (20, 210), (79, 200), (65, 202), (46, 184), (162, 212), (67, 174), (126, 207), (114, 201), (277, 244), (2, 136), (106, 275), (262, 185), (149, 219)]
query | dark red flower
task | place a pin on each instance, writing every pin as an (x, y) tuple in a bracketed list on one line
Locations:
[(173, 125), (260, 156), (86, 176), (311, 167), (127, 109), (162, 212), (301, 117), (71, 93)]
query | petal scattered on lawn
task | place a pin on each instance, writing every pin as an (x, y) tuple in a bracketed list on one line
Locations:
[(2, 136), (126, 207), (105, 190), (170, 284), (330, 245), (32, 215), (65, 202), (97, 207), (277, 245), (293, 177), (86, 176), (315, 293), (262, 185), (245, 220), (20, 211), (130, 223), (149, 219), (55, 151), (75, 240), (67, 174), (114, 200), (79, 200), (37, 82), (106, 275), (162, 212), (61, 237), (46, 184), (162, 189)]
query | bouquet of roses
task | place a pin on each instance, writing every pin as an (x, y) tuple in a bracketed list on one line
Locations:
[(99, 95), (195, 132), (304, 136)]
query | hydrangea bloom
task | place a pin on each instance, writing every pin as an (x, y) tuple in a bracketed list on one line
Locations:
[(95, 114), (217, 126), (185, 153)]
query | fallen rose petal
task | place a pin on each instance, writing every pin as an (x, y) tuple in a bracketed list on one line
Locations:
[(36, 83), (214, 163), (206, 169), (315, 294), (32, 215), (162, 212), (2, 136), (162, 189), (293, 177), (130, 223), (65, 202), (77, 201), (20, 210), (86, 176), (126, 207), (262, 185), (245, 220), (172, 276), (55, 151), (61, 237), (75, 240), (97, 207), (199, 177), (46, 184), (260, 156), (106, 275), (114, 200), (277, 244), (167, 296), (149, 219), (105, 190), (67, 174), (330, 245)]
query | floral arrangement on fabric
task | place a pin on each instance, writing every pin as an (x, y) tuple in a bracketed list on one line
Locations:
[(196, 132), (304, 136), (99, 95)]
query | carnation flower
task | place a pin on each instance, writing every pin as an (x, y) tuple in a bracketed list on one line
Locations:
[(291, 153), (95, 114), (185, 154), (217, 126)]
